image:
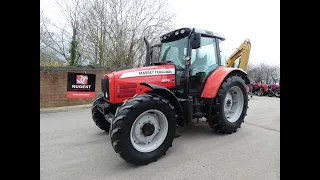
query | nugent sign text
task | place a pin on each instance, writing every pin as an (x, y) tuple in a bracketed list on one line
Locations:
[(81, 85)]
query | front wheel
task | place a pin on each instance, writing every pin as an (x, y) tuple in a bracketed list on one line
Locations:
[(98, 118), (143, 129), (231, 106)]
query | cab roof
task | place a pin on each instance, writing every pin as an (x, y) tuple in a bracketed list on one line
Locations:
[(187, 30)]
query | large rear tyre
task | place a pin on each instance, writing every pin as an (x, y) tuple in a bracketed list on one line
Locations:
[(97, 116), (143, 129), (231, 105)]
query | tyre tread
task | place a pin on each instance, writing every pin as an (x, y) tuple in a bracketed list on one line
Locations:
[(118, 124)]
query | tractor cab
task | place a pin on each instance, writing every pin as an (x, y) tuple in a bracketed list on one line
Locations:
[(195, 54)]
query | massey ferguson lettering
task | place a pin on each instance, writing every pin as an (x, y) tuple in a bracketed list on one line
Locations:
[(147, 73), (81, 86), (155, 72)]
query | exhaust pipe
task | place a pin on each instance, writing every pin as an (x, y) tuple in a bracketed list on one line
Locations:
[(148, 51)]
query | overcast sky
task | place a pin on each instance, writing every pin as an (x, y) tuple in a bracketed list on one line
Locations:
[(258, 20)]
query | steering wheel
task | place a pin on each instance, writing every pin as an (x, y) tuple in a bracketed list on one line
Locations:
[(199, 69)]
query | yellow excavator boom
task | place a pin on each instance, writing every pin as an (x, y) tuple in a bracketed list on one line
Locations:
[(243, 52)]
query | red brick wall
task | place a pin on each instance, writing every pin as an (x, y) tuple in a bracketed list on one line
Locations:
[(53, 85)]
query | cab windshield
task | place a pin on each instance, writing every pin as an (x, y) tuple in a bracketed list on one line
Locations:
[(174, 51)]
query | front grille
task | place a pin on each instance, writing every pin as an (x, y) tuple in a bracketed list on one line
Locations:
[(126, 90), (105, 86)]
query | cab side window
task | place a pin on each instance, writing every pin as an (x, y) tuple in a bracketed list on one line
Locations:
[(205, 59)]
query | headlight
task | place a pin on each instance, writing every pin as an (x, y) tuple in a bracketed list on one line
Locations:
[(105, 87)]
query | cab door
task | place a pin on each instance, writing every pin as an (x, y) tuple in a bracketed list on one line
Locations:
[(204, 60)]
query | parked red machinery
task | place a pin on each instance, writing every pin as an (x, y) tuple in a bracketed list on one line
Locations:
[(258, 88), (273, 90)]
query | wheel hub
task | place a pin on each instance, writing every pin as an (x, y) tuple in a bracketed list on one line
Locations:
[(148, 129), (228, 102), (233, 104)]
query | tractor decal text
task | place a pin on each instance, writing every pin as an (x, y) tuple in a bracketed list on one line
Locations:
[(165, 80), (154, 72), (81, 86)]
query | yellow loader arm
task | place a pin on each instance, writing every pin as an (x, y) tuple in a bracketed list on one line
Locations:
[(243, 51)]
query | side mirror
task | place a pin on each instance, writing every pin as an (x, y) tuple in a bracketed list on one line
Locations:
[(195, 40)]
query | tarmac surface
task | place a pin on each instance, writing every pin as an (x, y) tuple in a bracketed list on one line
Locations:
[(72, 147)]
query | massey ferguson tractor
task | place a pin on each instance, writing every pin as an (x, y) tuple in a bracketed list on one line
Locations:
[(142, 107), (258, 88)]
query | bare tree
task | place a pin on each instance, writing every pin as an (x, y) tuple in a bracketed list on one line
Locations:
[(263, 73), (271, 73), (71, 10), (275, 74), (48, 57), (106, 32), (55, 41), (94, 23), (254, 72), (44, 21), (114, 29), (58, 38)]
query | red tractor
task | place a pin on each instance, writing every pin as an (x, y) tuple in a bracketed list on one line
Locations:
[(258, 89), (274, 90), (142, 107)]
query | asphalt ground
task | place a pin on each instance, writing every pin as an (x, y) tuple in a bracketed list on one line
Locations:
[(72, 147)]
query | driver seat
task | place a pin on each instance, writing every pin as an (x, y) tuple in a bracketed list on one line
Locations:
[(197, 77)]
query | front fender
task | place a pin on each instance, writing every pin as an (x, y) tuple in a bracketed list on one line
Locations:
[(166, 93)]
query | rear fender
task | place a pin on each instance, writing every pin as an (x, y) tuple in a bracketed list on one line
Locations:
[(166, 93), (215, 80)]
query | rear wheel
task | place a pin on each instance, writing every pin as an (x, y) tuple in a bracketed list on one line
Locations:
[(231, 106), (97, 116), (143, 129), (270, 93), (277, 93), (259, 92)]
